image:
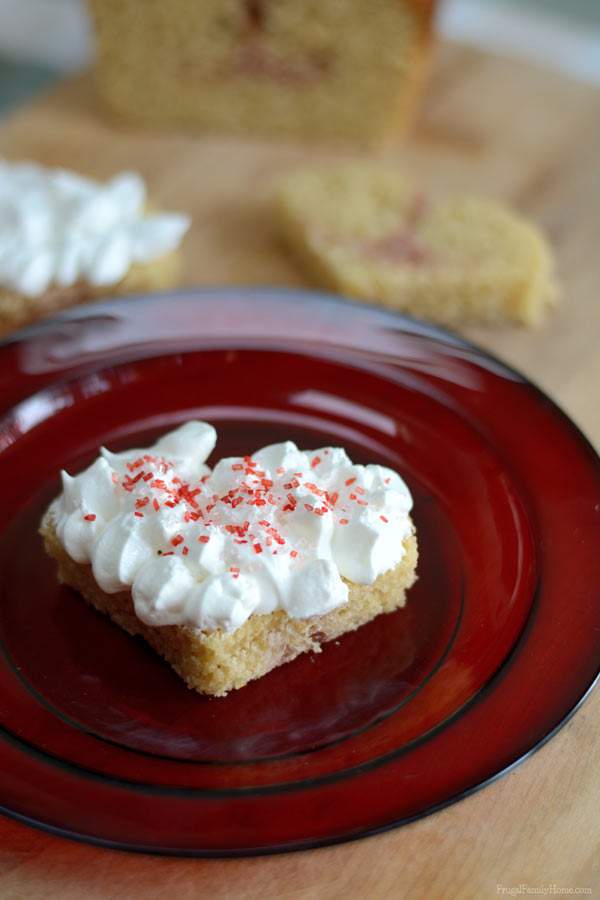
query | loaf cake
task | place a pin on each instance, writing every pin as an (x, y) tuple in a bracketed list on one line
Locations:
[(66, 239), (231, 572), (336, 69), (365, 230)]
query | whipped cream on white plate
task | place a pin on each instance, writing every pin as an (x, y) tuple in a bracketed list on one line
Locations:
[(281, 529), (58, 228)]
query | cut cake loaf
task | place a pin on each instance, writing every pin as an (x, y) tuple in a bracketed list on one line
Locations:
[(336, 69)]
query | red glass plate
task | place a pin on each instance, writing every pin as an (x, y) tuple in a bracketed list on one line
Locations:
[(499, 642)]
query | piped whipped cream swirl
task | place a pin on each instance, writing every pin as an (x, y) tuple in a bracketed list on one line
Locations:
[(58, 228), (281, 529)]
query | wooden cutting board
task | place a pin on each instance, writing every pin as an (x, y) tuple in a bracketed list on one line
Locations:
[(526, 135)]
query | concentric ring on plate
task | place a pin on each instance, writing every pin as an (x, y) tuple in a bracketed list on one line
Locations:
[(118, 691)]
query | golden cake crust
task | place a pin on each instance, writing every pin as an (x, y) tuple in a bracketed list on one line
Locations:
[(218, 662), (17, 310)]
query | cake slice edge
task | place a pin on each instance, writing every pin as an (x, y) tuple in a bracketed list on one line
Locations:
[(217, 662)]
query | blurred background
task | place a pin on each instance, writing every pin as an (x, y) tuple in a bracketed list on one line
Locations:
[(509, 113), (41, 39)]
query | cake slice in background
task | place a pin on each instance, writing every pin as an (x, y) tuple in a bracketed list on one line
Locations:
[(367, 231), (315, 68), (65, 239)]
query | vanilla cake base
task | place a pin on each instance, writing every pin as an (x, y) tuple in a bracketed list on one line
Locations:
[(218, 662), (17, 310)]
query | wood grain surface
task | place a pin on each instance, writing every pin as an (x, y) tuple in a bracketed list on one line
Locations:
[(526, 135)]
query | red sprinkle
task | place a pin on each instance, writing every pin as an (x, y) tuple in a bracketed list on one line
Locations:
[(257, 548), (315, 461), (178, 539), (350, 481), (204, 539), (140, 515), (91, 517), (383, 519), (294, 554), (313, 488), (344, 521), (185, 551)]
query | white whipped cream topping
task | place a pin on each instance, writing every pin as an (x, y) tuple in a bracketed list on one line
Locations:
[(57, 228), (279, 530)]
